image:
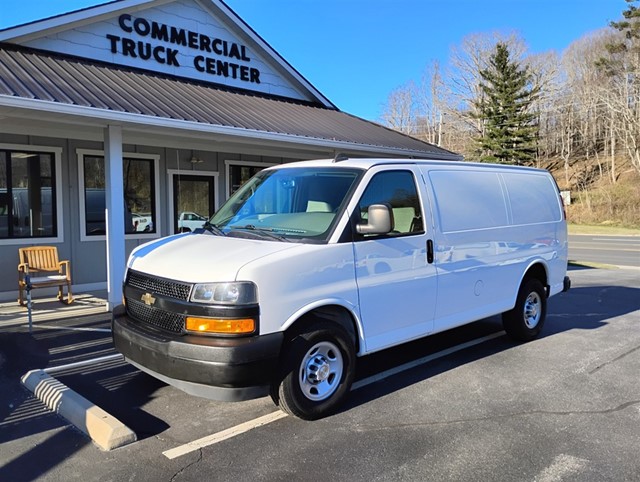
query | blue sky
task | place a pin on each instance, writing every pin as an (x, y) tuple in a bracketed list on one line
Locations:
[(357, 51)]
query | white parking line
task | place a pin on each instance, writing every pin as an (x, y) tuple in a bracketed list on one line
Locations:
[(83, 363), (617, 240), (224, 435), (272, 417), (421, 361), (70, 328)]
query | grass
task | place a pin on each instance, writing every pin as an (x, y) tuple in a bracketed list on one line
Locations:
[(605, 208), (589, 264), (602, 230)]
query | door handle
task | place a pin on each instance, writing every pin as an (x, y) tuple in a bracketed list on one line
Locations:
[(429, 251)]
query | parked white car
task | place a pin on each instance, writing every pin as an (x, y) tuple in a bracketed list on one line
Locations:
[(142, 222), (188, 221), (310, 265)]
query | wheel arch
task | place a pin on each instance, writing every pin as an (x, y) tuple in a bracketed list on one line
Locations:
[(331, 311), (537, 270)]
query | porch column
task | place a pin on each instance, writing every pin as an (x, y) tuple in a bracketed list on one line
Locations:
[(114, 192)]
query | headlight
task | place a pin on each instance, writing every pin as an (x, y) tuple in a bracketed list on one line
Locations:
[(235, 293)]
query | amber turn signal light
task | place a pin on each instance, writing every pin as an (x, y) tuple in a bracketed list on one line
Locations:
[(221, 326)]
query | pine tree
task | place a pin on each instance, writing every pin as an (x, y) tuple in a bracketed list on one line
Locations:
[(631, 23), (621, 93), (624, 51), (510, 131)]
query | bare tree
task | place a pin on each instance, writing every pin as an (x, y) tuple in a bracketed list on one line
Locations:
[(583, 85), (546, 79), (430, 105), (588, 105), (399, 111)]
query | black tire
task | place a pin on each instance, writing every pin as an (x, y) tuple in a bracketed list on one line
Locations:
[(525, 321), (316, 371)]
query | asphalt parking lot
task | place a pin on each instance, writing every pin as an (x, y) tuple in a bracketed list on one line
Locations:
[(464, 405)]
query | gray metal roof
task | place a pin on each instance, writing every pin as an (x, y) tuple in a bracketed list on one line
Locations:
[(43, 76)]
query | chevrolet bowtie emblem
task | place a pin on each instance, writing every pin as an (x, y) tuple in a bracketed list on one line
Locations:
[(148, 299)]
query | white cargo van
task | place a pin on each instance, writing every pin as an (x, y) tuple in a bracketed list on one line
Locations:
[(310, 265)]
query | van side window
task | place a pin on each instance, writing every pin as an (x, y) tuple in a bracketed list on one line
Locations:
[(533, 198), (398, 190), (469, 200)]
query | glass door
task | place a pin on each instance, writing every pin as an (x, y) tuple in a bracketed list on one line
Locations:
[(193, 201)]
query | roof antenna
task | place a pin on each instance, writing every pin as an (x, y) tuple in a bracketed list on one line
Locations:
[(340, 156)]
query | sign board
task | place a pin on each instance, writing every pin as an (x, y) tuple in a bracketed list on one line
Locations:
[(180, 38)]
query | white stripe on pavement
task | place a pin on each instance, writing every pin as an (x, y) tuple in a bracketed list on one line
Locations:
[(82, 363), (69, 328), (421, 361), (272, 417), (224, 435)]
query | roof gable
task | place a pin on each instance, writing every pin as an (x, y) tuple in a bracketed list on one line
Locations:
[(202, 40)]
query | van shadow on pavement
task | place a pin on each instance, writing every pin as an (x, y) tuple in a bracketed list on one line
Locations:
[(581, 308)]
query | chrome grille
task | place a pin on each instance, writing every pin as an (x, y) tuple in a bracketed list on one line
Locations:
[(159, 286), (173, 322)]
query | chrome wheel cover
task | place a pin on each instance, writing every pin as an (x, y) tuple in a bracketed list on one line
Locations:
[(321, 371), (532, 310)]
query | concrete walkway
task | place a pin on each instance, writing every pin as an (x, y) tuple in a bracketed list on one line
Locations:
[(48, 309)]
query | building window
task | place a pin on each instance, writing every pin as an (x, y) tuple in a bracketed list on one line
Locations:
[(27, 194), (139, 180), (239, 172)]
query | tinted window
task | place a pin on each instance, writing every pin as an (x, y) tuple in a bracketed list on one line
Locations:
[(294, 203), (27, 195), (398, 190), (239, 174), (139, 191)]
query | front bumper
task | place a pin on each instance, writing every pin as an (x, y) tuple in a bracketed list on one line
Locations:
[(226, 369)]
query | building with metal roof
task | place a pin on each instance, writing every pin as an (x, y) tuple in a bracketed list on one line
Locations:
[(119, 121)]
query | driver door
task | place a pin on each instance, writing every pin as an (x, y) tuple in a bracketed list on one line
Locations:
[(396, 280)]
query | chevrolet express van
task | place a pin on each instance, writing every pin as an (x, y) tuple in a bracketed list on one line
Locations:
[(310, 265)]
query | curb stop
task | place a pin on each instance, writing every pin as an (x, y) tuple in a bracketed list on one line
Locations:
[(104, 429)]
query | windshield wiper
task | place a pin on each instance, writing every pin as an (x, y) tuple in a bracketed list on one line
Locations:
[(264, 232), (212, 228)]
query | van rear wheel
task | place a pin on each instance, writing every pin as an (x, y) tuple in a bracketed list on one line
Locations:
[(525, 321), (316, 373)]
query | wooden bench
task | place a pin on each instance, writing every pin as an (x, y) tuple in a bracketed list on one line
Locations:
[(44, 270)]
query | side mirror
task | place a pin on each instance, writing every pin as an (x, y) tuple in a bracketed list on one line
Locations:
[(380, 220)]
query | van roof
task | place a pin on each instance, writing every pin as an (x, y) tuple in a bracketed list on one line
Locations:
[(368, 163)]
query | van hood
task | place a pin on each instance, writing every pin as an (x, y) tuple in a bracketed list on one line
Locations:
[(201, 258)]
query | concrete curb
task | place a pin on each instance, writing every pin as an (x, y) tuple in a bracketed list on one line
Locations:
[(105, 430)]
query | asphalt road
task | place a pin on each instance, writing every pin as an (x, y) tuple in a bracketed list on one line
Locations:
[(465, 405), (614, 250)]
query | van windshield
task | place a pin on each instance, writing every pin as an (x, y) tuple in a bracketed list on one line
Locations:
[(292, 204)]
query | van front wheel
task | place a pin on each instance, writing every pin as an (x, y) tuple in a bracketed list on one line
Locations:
[(524, 322), (316, 372)]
